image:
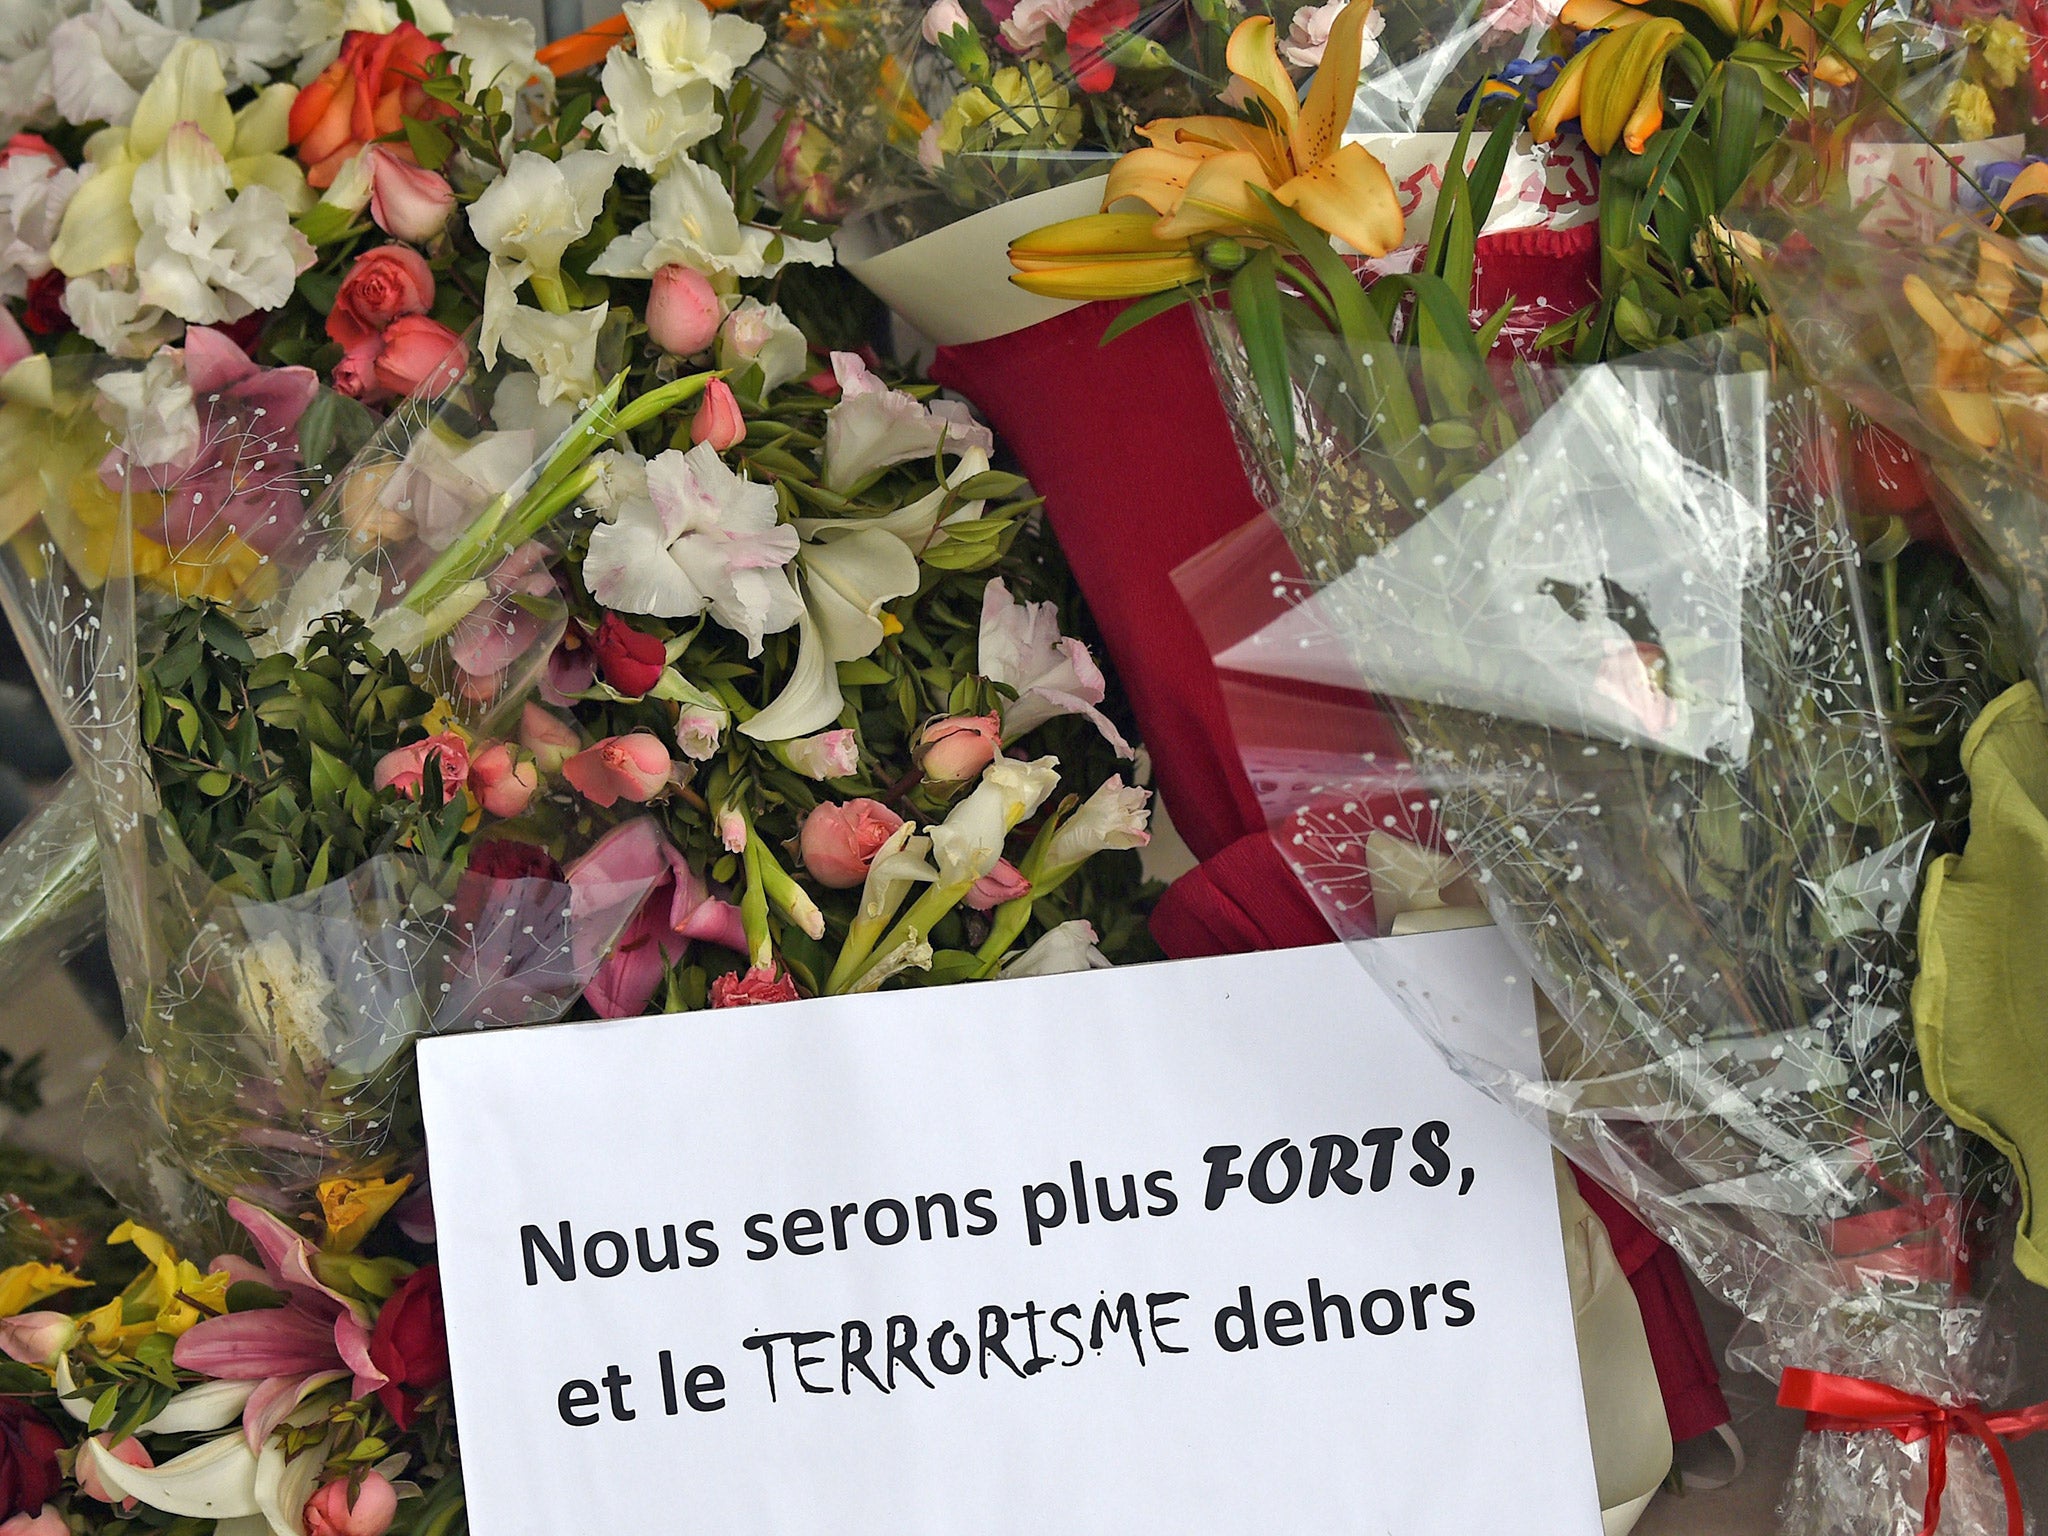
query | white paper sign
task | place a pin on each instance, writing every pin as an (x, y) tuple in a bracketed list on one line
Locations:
[(1235, 1253)]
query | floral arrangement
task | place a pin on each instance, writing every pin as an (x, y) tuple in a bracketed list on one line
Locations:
[(491, 581)]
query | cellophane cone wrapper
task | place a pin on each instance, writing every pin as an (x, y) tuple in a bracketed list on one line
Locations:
[(1614, 620), (269, 1041)]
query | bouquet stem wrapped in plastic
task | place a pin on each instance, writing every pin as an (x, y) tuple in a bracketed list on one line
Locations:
[(1618, 616)]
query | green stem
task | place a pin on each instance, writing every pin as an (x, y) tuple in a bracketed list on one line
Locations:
[(1010, 919), (1894, 641), (754, 905), (547, 287)]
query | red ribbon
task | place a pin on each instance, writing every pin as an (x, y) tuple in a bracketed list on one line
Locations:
[(1848, 1404)]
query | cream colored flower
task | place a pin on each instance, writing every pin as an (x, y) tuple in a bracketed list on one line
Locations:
[(691, 222), (647, 127), (682, 41)]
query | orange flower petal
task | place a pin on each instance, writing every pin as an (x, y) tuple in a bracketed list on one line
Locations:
[(1349, 195)]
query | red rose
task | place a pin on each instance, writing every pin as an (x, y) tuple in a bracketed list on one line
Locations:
[(421, 357), (391, 281), (46, 315), (631, 661), (29, 1477), (500, 861), (409, 1344), (364, 95), (763, 984)]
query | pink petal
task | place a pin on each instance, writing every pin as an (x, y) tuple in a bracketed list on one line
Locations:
[(212, 362), (272, 1402), (624, 983), (352, 1342), (716, 922), (251, 1346)]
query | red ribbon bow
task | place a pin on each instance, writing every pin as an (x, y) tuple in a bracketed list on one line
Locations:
[(1847, 1404)]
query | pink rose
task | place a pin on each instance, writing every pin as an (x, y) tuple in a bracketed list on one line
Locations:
[(36, 1338), (551, 739), (839, 842), (403, 768), (1003, 883), (719, 421), (407, 201), (501, 781), (356, 374), (421, 357), (634, 767), (48, 1523), (763, 984), (683, 311), (944, 18), (955, 749), (383, 285), (330, 1512), (130, 1452), (827, 755)]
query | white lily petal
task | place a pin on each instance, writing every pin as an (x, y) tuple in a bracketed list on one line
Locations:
[(811, 699), (282, 1486), (848, 580), (214, 1481), (210, 1405)]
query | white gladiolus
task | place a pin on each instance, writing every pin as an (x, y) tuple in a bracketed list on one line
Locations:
[(763, 335), (34, 190), (541, 207), (1021, 647), (966, 846), (1115, 816), (647, 127), (1069, 947), (500, 51), (683, 42), (691, 223), (874, 426)]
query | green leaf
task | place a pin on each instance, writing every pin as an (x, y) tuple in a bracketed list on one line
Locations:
[(1735, 137), (991, 485), (430, 146), (103, 1410), (1148, 308), (855, 674), (1255, 304), (325, 224)]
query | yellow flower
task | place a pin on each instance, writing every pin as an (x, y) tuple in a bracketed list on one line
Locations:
[(1990, 372), (1969, 106), (353, 1207), (22, 1286), (168, 1297), (1015, 104), (1204, 176), (1613, 86)]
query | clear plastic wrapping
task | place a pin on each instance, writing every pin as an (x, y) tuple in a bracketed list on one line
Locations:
[(1615, 625), (278, 962)]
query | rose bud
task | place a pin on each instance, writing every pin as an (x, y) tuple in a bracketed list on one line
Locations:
[(421, 357), (382, 285), (356, 374), (955, 749), (409, 1343), (47, 1523), (36, 1338), (407, 201), (698, 730), (131, 1452), (827, 755), (634, 767), (1003, 883), (629, 660), (762, 984), (331, 1513), (683, 311), (719, 421), (551, 740), (501, 782), (403, 768), (839, 842), (944, 18)]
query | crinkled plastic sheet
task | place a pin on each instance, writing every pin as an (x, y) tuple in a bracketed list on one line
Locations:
[(1615, 679), (268, 1046)]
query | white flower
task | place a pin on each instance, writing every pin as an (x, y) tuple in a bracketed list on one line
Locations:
[(318, 25), (541, 207), (326, 586), (1069, 947), (27, 98), (1113, 817), (763, 335), (34, 190), (683, 42), (648, 127), (1021, 647), (500, 50), (517, 407), (1025, 27), (874, 426), (923, 523), (691, 222), (704, 538), (101, 60), (108, 310), (970, 841), (560, 349), (252, 39), (204, 255), (1309, 35), (151, 408), (900, 863)]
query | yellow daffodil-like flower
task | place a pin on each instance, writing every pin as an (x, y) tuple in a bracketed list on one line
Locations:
[(1028, 104), (1969, 107), (1990, 373), (100, 228), (168, 1297), (2005, 51), (353, 1207), (23, 1285), (1614, 86), (1206, 178)]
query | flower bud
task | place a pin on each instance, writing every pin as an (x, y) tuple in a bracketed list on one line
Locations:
[(944, 17), (839, 842), (551, 740), (956, 748), (634, 767), (827, 755), (407, 201), (331, 1512), (36, 1338), (683, 311), (719, 421), (1224, 255), (1004, 883), (698, 729), (502, 783)]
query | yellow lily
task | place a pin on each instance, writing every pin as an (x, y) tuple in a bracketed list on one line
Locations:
[(169, 1297), (353, 1207), (1990, 373), (23, 1285), (1614, 86), (99, 229), (1203, 176)]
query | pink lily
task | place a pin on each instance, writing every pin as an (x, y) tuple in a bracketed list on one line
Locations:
[(679, 908), (318, 1336)]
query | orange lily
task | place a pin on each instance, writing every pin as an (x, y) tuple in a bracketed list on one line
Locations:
[(1614, 86), (585, 49), (1203, 177), (1990, 374)]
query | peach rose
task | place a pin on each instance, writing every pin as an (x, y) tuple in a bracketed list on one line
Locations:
[(839, 842)]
